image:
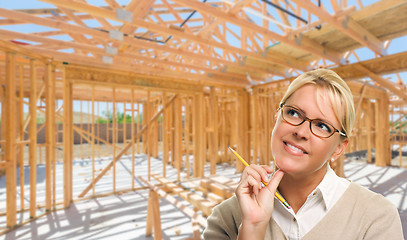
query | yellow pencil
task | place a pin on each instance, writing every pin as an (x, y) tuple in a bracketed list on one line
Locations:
[(245, 163)]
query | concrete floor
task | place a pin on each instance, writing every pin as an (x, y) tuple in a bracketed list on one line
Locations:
[(124, 216)]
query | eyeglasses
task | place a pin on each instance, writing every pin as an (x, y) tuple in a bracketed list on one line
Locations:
[(319, 128)]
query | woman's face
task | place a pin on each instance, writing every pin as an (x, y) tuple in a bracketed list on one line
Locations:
[(295, 149)]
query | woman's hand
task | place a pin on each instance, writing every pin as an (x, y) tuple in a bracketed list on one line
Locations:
[(256, 201)]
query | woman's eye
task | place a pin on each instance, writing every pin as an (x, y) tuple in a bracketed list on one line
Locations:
[(323, 126), (293, 113)]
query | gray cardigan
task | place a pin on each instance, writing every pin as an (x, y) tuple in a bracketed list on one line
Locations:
[(358, 214)]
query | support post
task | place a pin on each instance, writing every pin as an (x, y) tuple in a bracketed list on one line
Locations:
[(153, 215), (93, 138), (114, 139), (198, 136), (50, 134), (178, 136), (213, 134), (133, 129), (243, 128), (369, 132), (383, 154), (11, 128), (33, 139), (165, 136), (20, 151), (67, 139), (255, 125)]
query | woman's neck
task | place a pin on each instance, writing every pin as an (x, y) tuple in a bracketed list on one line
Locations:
[(296, 189)]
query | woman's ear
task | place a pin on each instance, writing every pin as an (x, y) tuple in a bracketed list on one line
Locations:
[(339, 150)]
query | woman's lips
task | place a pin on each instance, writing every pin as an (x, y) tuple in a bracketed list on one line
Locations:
[(294, 149)]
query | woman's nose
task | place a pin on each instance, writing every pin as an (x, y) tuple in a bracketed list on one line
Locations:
[(303, 130)]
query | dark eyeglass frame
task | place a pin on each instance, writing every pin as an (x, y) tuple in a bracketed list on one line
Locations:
[(305, 118)]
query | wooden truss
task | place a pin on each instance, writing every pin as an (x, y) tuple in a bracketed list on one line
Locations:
[(195, 77), (216, 42)]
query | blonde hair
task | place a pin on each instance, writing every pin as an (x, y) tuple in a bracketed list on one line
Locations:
[(339, 94)]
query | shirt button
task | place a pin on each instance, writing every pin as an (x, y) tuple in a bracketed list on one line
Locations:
[(315, 193), (294, 219)]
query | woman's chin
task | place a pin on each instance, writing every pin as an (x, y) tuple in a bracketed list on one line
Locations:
[(287, 167), (288, 170)]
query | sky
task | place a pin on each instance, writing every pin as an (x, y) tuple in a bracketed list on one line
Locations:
[(397, 45)]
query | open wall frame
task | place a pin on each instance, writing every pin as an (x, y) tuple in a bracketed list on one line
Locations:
[(189, 126)]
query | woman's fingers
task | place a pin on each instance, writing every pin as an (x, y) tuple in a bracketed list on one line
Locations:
[(266, 197), (267, 168), (275, 181), (256, 201), (259, 172), (252, 177), (251, 171), (254, 184)]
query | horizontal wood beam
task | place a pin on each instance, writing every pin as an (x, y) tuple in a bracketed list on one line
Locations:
[(84, 74), (383, 82), (384, 65)]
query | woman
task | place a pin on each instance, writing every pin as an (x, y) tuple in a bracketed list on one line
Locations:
[(312, 126)]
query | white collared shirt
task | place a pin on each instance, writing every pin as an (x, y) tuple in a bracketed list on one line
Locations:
[(317, 205)]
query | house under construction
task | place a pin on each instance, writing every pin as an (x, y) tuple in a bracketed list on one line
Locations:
[(179, 81)]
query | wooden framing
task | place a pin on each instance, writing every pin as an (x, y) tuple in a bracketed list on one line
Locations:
[(154, 219), (33, 139), (213, 130), (267, 62), (10, 144), (50, 134), (68, 140), (243, 127), (230, 103), (198, 136), (215, 190), (195, 94)]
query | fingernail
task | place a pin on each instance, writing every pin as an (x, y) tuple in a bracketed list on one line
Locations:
[(266, 178)]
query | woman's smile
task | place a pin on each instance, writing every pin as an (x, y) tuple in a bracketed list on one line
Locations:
[(294, 149)]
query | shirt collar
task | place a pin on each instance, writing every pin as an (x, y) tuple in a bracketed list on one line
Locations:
[(327, 188)]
